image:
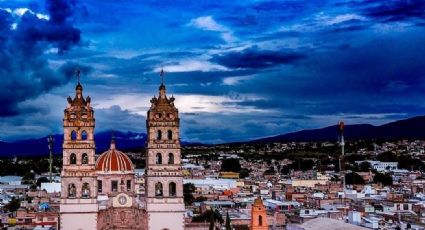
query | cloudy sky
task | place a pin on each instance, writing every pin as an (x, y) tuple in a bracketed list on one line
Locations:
[(238, 69)]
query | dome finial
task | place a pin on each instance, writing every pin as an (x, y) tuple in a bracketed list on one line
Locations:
[(112, 140)]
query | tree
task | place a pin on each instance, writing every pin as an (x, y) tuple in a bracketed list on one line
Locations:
[(353, 178), (409, 163), (244, 173), (212, 221), (230, 165), (270, 171), (382, 178), (228, 227), (364, 166), (208, 215), (387, 157), (13, 205), (285, 170), (41, 180), (28, 178), (188, 190)]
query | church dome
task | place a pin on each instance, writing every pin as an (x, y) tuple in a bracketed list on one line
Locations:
[(114, 160)]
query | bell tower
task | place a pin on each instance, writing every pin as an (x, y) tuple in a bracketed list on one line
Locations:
[(78, 207), (258, 216), (164, 178)]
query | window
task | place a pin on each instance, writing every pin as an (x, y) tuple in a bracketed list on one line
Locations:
[(260, 220), (73, 159), (84, 135), (85, 190), (99, 186), (72, 191), (172, 189), (158, 189), (128, 185), (159, 135), (85, 159), (170, 135), (73, 135), (170, 159), (114, 186), (158, 160)]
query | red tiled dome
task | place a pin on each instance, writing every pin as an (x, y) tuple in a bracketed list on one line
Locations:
[(114, 160)]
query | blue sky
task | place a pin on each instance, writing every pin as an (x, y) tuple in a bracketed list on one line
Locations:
[(238, 69)]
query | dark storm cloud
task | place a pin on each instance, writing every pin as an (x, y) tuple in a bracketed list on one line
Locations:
[(393, 10), (60, 10), (254, 58), (116, 118), (398, 10), (24, 71), (310, 64), (70, 68)]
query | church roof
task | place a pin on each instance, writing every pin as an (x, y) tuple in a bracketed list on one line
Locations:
[(163, 102), (114, 160), (258, 201), (78, 100)]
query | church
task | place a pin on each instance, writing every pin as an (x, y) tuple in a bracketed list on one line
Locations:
[(98, 193)]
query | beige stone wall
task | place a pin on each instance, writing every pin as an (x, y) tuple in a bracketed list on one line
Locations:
[(163, 117), (78, 211)]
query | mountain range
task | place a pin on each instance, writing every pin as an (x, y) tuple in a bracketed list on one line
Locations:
[(412, 128)]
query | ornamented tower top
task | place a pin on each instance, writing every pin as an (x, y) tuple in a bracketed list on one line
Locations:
[(163, 106), (164, 178), (79, 111), (79, 192), (258, 215)]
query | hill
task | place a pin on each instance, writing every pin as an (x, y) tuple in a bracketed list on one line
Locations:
[(38, 147), (412, 128)]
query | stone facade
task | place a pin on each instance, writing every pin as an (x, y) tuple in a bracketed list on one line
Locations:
[(164, 178), (100, 194), (78, 196)]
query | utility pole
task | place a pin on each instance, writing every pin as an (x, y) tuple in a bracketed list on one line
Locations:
[(341, 160), (50, 141), (342, 144)]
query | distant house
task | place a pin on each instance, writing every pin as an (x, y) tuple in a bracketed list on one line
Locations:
[(381, 166)]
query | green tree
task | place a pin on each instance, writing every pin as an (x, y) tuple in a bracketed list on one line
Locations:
[(409, 163), (230, 165), (382, 178), (353, 178), (228, 227), (13, 205), (212, 221), (41, 180), (244, 173), (285, 170), (28, 178), (270, 171), (364, 166), (188, 190), (387, 157)]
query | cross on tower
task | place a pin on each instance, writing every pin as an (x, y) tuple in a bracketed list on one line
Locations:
[(161, 74), (77, 73)]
